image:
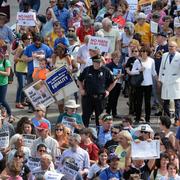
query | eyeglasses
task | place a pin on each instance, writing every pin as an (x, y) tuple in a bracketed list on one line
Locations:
[(71, 30), (142, 51), (114, 132), (134, 51), (59, 129), (41, 150), (144, 132), (18, 156)]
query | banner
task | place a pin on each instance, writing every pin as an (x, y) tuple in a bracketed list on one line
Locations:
[(146, 150), (33, 163), (26, 19), (49, 175), (29, 139), (38, 93), (60, 83), (4, 139), (100, 43)]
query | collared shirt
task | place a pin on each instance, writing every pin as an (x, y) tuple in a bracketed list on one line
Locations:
[(63, 16), (80, 156), (103, 136), (6, 34)]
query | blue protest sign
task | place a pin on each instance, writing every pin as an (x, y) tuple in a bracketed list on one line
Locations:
[(58, 80)]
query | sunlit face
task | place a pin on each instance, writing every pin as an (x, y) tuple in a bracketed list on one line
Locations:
[(114, 164), (171, 171), (135, 52), (107, 125), (45, 163), (19, 142), (103, 157), (41, 151), (164, 162), (27, 128), (172, 47), (42, 64), (37, 43), (59, 130), (141, 21), (97, 65), (71, 111)]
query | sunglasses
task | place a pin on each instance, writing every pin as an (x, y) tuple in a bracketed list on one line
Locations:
[(134, 51), (144, 132), (18, 156), (142, 51), (71, 30), (114, 132), (41, 150), (59, 129), (52, 1)]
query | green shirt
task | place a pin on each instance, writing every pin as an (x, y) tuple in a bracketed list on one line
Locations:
[(4, 79)]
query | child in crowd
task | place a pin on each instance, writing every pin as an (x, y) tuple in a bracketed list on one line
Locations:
[(40, 73)]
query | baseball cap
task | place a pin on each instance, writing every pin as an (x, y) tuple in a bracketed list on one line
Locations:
[(164, 34), (43, 125), (63, 42), (113, 156)]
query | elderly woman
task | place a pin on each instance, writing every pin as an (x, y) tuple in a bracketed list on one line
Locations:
[(16, 143), (123, 150)]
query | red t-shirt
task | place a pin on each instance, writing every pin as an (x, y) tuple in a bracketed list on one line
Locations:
[(92, 150), (81, 32)]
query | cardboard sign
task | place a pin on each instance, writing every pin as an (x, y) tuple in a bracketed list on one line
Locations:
[(26, 19), (70, 171), (38, 93), (33, 163), (154, 27), (4, 139), (146, 5), (133, 5), (39, 55), (60, 83), (146, 150), (67, 121), (29, 139), (49, 175), (99, 43)]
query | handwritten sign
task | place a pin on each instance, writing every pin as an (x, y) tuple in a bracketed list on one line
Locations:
[(60, 83), (38, 93), (154, 27), (146, 5), (26, 19), (29, 139), (146, 150), (33, 163), (67, 121), (99, 43), (49, 175), (4, 139)]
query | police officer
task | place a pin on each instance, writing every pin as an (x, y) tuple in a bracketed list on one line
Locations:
[(95, 83)]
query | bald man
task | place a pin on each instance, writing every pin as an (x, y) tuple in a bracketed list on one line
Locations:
[(169, 77)]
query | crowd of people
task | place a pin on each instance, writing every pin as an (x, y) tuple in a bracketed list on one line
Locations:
[(142, 63)]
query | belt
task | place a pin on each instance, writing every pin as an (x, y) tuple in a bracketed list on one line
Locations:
[(97, 96)]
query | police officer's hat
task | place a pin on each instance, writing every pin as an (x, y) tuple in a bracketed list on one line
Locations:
[(97, 58)]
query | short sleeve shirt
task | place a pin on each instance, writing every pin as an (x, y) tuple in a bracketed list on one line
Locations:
[(3, 66)]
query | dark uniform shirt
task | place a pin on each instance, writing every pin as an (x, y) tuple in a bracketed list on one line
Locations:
[(96, 81)]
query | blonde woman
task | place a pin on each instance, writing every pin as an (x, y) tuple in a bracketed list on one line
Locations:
[(123, 150)]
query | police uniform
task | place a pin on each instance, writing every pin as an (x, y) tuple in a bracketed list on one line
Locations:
[(95, 83)]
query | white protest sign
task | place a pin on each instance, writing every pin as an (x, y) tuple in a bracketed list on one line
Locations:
[(4, 139), (133, 5), (33, 163), (38, 55), (100, 43), (154, 27), (38, 93), (29, 139), (146, 150), (26, 19), (70, 171), (53, 175), (67, 121), (60, 83)]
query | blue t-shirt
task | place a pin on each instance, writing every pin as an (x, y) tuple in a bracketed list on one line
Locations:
[(178, 134), (108, 174), (37, 122), (32, 48)]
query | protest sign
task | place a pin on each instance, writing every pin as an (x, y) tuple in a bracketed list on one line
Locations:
[(26, 19), (70, 171), (146, 5), (53, 175), (146, 150), (60, 83), (99, 43), (38, 93), (67, 121), (133, 5), (38, 55), (4, 139), (33, 163), (28, 139), (154, 27)]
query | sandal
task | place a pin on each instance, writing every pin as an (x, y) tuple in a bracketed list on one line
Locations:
[(19, 106), (25, 104), (11, 119)]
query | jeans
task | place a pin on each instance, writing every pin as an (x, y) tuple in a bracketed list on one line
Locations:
[(21, 78), (177, 108), (3, 91), (29, 81)]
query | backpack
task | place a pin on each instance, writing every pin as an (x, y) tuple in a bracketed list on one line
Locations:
[(11, 75)]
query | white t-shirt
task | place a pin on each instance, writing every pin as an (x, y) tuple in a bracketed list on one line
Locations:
[(149, 71), (94, 169), (169, 178)]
